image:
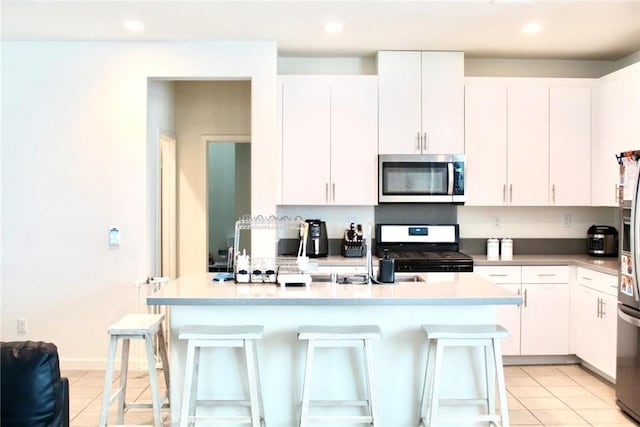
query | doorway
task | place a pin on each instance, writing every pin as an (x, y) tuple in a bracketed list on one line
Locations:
[(168, 207), (228, 196)]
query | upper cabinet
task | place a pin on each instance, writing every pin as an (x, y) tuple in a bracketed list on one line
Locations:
[(618, 129), (421, 102), (329, 140), (528, 142)]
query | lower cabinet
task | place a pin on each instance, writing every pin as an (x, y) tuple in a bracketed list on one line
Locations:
[(595, 303), (540, 326)]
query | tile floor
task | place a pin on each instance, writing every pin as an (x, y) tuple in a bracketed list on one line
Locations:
[(554, 395)]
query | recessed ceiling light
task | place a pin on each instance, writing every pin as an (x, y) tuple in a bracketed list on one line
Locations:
[(532, 28), (333, 27), (135, 26)]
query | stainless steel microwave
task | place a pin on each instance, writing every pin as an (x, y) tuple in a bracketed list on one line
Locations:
[(414, 178)]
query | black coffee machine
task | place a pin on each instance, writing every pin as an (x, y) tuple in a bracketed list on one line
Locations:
[(317, 240)]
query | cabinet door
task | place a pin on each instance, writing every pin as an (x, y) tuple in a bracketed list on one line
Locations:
[(486, 144), (399, 102), (606, 144), (588, 337), (609, 321), (631, 107), (528, 152), (570, 146), (354, 141), (545, 319), (443, 102), (509, 317), (305, 143)]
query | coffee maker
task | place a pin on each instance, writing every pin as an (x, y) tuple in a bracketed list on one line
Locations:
[(317, 240)]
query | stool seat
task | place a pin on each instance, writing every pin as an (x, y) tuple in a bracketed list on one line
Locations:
[(486, 336), (146, 327), (200, 337), (136, 324), (221, 332), (318, 336), (317, 332), (465, 331)]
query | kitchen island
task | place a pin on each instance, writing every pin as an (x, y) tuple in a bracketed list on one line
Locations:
[(400, 309)]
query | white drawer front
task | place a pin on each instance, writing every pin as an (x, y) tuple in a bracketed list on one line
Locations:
[(545, 274), (607, 283), (499, 274)]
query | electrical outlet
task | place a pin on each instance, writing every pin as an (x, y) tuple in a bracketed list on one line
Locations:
[(566, 220), (497, 222), (22, 326)]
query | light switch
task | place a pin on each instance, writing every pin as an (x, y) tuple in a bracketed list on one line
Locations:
[(114, 236)]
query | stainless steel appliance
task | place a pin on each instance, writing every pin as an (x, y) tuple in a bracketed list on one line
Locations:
[(602, 240), (628, 347), (423, 247), (317, 240), (414, 178)]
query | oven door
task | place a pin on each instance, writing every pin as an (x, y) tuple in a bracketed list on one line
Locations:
[(409, 178)]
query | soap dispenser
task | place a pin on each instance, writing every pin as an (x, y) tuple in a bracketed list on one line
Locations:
[(386, 268)]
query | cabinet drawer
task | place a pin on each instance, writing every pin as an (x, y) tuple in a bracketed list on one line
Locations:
[(545, 274), (607, 283), (498, 274)]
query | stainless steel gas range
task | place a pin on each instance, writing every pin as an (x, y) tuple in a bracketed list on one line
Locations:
[(423, 247)]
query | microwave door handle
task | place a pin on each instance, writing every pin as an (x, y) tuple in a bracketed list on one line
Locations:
[(451, 177)]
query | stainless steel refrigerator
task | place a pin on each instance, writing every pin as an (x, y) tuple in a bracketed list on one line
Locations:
[(628, 351)]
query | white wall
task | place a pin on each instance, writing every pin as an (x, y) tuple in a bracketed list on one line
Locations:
[(532, 222), (74, 141)]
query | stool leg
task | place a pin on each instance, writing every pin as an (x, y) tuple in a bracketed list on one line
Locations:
[(108, 379), (425, 404), (489, 360), (124, 368), (188, 380), (249, 354), (258, 383), (306, 388), (371, 384), (164, 358), (502, 388), (153, 380), (435, 386)]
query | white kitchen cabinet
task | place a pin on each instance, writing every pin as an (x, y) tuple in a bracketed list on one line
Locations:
[(545, 311), (507, 277), (595, 302), (528, 153), (528, 142), (329, 140), (421, 102), (486, 144), (570, 145), (617, 129)]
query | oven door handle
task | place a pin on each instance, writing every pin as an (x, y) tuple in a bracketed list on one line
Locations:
[(451, 177), (629, 319)]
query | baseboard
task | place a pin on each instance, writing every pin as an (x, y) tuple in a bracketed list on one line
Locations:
[(565, 359)]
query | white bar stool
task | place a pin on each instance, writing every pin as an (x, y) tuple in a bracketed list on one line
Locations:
[(339, 336), (486, 336), (203, 336), (135, 326)]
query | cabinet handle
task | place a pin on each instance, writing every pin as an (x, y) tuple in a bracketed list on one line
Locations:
[(598, 307), (510, 193), (603, 306), (497, 275), (546, 274), (525, 298), (587, 278), (504, 193), (333, 188), (425, 146), (326, 192), (418, 143), (553, 193), (519, 293)]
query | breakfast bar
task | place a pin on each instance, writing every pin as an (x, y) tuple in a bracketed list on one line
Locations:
[(399, 357)]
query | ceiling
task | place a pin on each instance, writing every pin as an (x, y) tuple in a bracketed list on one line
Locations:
[(577, 29)]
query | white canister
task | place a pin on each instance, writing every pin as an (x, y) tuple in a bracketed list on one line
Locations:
[(493, 249), (506, 249)]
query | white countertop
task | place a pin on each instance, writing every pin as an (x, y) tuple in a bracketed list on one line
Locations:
[(437, 289)]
